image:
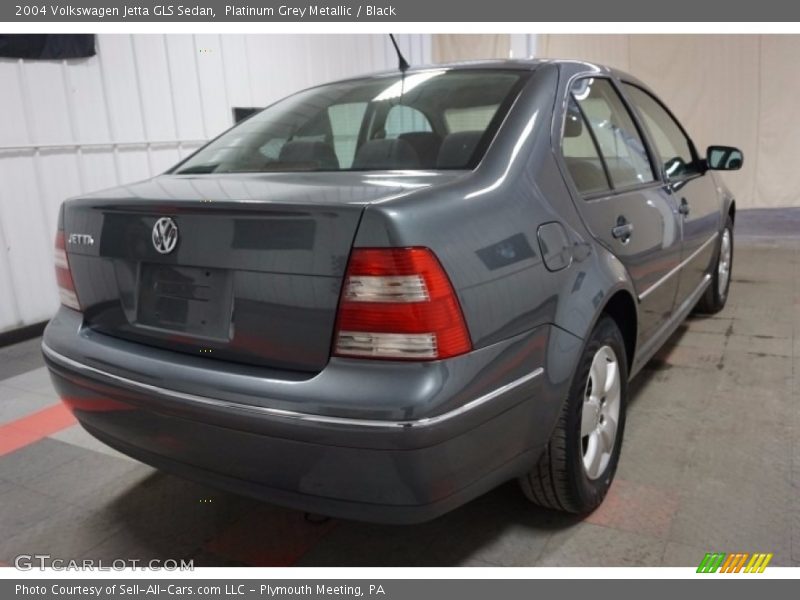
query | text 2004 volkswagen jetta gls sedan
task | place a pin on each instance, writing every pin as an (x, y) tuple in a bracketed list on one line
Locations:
[(382, 297)]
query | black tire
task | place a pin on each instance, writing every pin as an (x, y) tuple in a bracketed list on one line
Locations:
[(560, 481), (714, 298)]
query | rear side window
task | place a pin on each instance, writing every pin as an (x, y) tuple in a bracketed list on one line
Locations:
[(674, 148), (404, 119), (345, 125), (581, 155), (613, 132), (469, 119)]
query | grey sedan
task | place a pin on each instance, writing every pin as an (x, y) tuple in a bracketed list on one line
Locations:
[(382, 297)]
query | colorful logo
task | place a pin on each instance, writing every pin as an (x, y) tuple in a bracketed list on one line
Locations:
[(738, 562)]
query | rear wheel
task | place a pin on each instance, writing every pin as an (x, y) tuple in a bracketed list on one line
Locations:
[(716, 295), (578, 464)]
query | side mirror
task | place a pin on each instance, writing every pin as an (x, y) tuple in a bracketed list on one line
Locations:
[(724, 158)]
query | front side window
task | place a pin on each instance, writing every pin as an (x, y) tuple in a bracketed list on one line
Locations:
[(614, 132), (674, 148), (381, 123)]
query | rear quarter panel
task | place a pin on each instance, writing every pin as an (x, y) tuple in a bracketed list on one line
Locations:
[(483, 228)]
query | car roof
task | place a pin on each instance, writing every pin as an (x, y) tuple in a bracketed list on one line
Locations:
[(520, 64), (574, 65)]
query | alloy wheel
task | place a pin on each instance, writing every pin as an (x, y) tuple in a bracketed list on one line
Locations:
[(600, 413), (724, 267)]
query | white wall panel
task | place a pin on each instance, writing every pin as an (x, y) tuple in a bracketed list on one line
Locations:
[(185, 88), (9, 311), (27, 242), (87, 105), (131, 112), (50, 124), (134, 164), (117, 68), (58, 178), (162, 157), (153, 87), (15, 129), (99, 168), (211, 75), (237, 73)]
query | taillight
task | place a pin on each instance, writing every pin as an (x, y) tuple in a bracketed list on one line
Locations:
[(66, 286), (399, 303)]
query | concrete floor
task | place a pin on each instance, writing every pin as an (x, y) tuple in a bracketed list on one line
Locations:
[(711, 462)]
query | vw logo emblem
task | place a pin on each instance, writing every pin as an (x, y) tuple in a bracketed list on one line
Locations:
[(165, 235)]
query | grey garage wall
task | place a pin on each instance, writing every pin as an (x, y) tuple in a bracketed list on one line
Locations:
[(130, 112)]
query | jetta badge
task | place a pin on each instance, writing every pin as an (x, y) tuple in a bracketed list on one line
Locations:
[(165, 235), (80, 239)]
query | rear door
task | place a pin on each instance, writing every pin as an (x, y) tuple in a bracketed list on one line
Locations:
[(691, 186), (621, 196)]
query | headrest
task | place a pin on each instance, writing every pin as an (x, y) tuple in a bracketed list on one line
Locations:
[(318, 155), (386, 154), (457, 148), (426, 144), (573, 126)]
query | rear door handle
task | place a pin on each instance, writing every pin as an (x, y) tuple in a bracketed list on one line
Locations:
[(683, 208), (622, 232)]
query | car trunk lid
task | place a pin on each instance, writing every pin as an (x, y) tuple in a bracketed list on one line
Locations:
[(255, 272)]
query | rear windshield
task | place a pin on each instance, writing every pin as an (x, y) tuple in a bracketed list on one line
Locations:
[(437, 119)]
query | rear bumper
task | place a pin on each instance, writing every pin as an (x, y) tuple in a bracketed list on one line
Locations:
[(424, 441)]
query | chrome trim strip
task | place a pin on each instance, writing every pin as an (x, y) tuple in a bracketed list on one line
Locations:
[(677, 268), (648, 349), (289, 414)]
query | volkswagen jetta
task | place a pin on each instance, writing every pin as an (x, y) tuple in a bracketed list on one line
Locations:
[(381, 297)]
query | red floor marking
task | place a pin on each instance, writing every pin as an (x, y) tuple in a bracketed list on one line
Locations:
[(11, 440), (637, 507), (27, 430), (269, 537)]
